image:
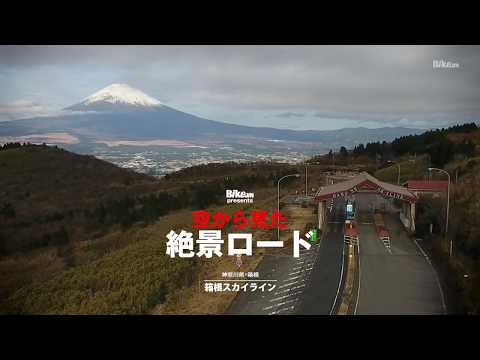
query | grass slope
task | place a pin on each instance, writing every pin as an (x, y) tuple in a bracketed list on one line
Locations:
[(409, 169)]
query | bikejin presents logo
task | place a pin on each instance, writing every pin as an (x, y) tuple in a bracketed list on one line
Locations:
[(239, 197), (442, 64)]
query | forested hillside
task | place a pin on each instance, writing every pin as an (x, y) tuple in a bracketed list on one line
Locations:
[(66, 218)]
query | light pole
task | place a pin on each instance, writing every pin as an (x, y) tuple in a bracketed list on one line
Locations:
[(398, 180), (448, 204), (278, 198)]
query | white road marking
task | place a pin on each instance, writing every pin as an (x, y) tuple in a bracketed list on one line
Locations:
[(281, 310), (289, 289), (303, 269), (359, 277), (295, 272), (293, 278), (282, 286), (294, 282), (279, 304), (340, 282), (286, 296)]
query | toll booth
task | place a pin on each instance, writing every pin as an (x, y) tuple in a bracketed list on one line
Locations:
[(350, 209), (366, 183)]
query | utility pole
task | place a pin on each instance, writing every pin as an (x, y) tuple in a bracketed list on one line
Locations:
[(278, 198), (398, 180), (448, 206)]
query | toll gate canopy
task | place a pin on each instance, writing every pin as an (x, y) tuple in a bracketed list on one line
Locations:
[(365, 183)]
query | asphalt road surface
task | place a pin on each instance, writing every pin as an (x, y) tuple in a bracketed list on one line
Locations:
[(398, 282), (291, 276), (323, 287)]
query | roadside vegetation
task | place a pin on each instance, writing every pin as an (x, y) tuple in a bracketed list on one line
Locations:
[(75, 246), (411, 168), (128, 272), (461, 271), (81, 236)]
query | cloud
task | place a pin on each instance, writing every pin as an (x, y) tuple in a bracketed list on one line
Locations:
[(413, 120), (383, 85), (23, 109), (289, 114)]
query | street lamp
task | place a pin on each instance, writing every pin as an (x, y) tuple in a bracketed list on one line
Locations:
[(278, 197), (448, 204)]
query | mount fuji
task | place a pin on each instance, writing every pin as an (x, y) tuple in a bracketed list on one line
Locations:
[(117, 98), (121, 112)]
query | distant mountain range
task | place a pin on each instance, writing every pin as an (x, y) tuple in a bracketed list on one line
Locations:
[(120, 112)]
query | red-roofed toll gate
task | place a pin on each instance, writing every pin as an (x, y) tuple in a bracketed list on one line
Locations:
[(365, 183)]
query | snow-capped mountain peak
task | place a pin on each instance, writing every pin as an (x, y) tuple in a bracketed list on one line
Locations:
[(122, 94)]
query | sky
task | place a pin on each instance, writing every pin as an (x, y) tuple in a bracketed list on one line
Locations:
[(289, 86)]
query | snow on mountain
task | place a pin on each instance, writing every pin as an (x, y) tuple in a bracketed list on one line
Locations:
[(118, 95), (122, 93), (122, 112)]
